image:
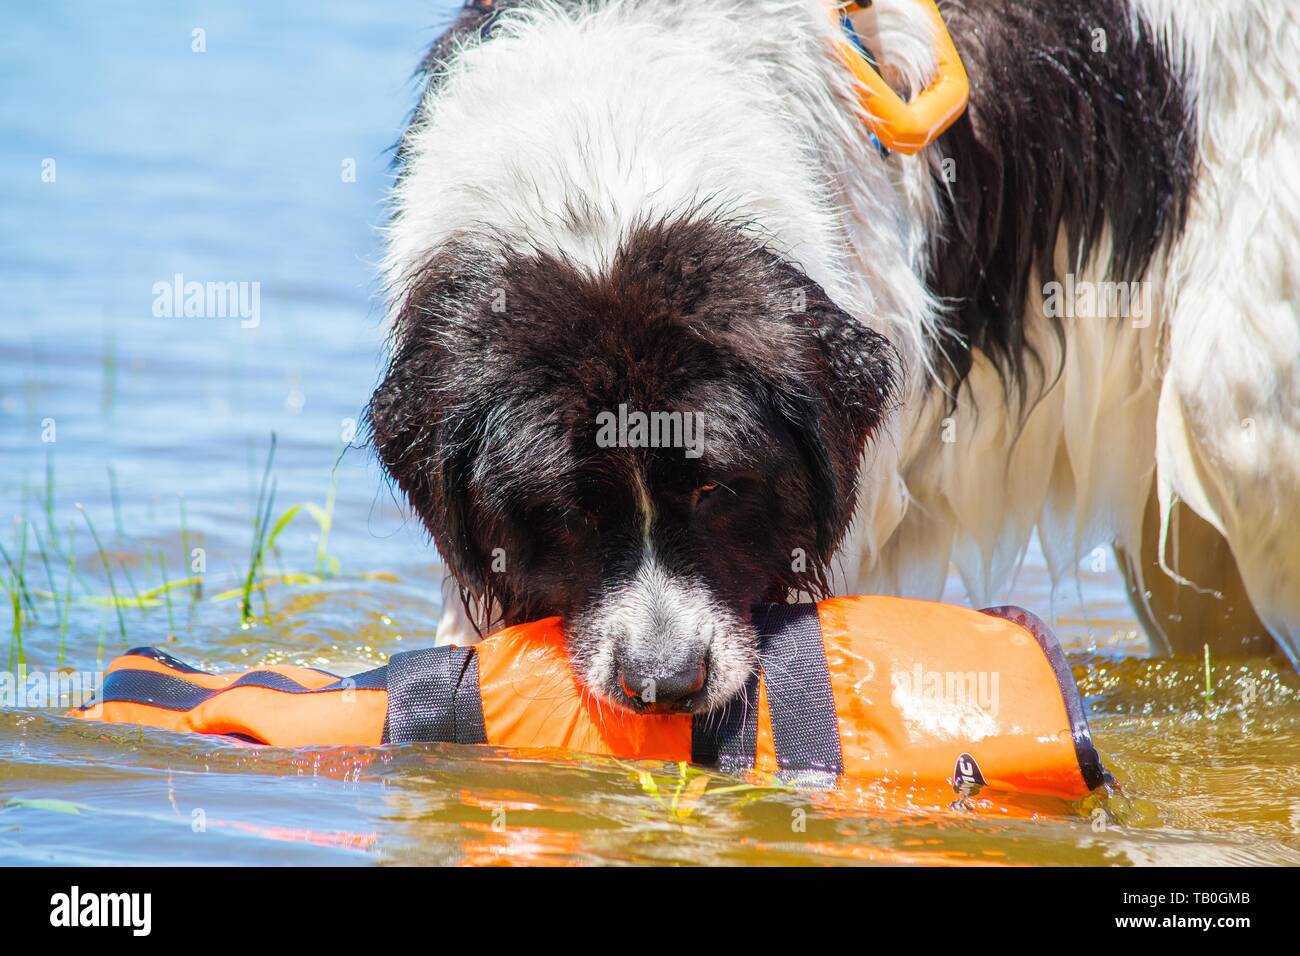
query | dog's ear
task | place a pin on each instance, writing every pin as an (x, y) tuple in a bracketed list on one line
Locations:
[(847, 380), (427, 444)]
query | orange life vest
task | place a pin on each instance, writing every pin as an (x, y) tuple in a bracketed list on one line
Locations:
[(857, 686)]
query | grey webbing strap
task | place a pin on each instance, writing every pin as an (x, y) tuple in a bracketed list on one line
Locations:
[(433, 695), (725, 738), (805, 729)]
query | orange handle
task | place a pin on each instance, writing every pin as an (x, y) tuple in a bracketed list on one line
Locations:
[(909, 127)]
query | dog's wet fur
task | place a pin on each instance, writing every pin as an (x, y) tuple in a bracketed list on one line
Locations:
[(504, 354), (1105, 140), (488, 420)]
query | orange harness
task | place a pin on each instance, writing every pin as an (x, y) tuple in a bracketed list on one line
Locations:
[(904, 127), (858, 686)]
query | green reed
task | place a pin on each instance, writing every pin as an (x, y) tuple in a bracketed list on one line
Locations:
[(261, 529), (108, 572)]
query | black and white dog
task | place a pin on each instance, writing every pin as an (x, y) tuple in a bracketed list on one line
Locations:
[(619, 224)]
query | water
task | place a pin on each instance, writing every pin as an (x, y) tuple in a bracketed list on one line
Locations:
[(229, 165)]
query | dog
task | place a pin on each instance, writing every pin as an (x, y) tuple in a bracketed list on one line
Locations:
[(1072, 316)]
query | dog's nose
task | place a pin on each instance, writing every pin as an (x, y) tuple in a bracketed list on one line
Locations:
[(661, 688)]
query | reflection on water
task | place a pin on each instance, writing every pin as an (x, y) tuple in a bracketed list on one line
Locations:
[(263, 160)]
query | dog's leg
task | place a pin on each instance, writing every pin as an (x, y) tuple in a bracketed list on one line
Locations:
[(1213, 610), (1228, 440), (1228, 429)]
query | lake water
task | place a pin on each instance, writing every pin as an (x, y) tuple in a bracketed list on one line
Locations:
[(128, 159)]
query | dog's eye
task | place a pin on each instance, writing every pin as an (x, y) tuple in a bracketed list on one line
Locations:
[(706, 489)]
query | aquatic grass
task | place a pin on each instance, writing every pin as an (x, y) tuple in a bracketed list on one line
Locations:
[(150, 596), (65, 605), (45, 558), (74, 572), (266, 536), (154, 597), (290, 578), (17, 594), (261, 591), (327, 564), (323, 520), (117, 600), (22, 563), (142, 599), (261, 528), (52, 594), (18, 581), (187, 556), (67, 595), (264, 543), (49, 496), (16, 655), (120, 530), (117, 501), (135, 600), (171, 617), (691, 785), (108, 571)]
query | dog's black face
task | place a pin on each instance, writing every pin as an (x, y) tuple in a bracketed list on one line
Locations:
[(646, 452)]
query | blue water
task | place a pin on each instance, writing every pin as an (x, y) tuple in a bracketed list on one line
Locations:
[(127, 158), (221, 166)]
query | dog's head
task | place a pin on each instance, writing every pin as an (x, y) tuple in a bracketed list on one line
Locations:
[(646, 451)]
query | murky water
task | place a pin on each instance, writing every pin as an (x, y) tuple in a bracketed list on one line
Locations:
[(235, 165)]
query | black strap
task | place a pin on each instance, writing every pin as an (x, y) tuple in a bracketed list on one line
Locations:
[(172, 692), (725, 738), (433, 696), (1091, 768), (805, 729)]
